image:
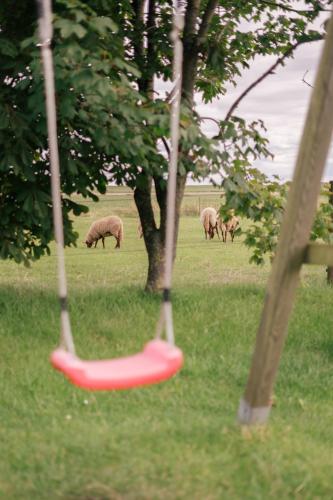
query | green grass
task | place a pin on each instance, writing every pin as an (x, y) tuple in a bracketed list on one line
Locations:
[(177, 440)]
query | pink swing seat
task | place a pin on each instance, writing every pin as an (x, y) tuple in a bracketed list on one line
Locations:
[(157, 362)]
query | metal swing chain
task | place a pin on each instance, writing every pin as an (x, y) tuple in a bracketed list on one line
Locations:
[(45, 36), (166, 307)]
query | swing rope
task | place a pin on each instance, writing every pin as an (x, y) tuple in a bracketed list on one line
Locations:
[(45, 35), (159, 360), (166, 307)]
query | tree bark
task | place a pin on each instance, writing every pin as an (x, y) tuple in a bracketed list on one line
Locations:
[(190, 49), (155, 251)]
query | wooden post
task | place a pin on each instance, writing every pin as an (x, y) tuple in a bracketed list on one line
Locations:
[(295, 231), (329, 269)]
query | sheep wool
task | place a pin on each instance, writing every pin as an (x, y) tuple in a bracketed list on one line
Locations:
[(108, 226), (209, 219), (229, 226)]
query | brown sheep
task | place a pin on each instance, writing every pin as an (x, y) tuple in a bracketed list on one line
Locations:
[(100, 229), (228, 226), (209, 218)]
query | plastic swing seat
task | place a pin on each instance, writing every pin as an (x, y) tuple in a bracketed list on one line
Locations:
[(157, 362)]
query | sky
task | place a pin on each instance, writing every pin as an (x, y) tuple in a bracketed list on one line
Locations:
[(281, 101)]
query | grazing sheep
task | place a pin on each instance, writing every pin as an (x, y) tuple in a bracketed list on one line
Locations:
[(228, 226), (108, 226), (209, 218)]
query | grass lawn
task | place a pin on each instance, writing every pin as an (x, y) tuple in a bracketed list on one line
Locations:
[(177, 440)]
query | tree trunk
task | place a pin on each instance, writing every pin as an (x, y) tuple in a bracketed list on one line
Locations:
[(155, 250), (154, 237)]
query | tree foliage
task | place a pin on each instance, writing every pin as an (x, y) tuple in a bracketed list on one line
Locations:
[(89, 84), (263, 201)]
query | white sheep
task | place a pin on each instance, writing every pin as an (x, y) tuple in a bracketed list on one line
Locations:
[(209, 218), (100, 229)]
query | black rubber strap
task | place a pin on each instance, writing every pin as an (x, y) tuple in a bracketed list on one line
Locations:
[(63, 303), (166, 295)]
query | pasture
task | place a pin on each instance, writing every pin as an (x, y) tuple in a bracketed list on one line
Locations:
[(177, 440)]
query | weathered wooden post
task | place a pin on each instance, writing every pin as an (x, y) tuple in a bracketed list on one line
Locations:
[(293, 243), (329, 269)]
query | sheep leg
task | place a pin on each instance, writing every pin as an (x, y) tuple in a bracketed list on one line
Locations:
[(103, 242), (96, 243), (232, 234), (118, 243)]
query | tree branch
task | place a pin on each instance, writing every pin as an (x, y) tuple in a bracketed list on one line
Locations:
[(190, 56), (207, 17), (138, 9), (262, 77), (142, 197), (191, 15), (303, 79), (201, 118), (161, 197), (150, 47), (166, 145)]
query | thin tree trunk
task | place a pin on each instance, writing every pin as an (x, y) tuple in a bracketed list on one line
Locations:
[(155, 250), (154, 237)]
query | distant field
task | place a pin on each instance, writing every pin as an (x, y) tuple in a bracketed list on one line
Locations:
[(120, 199), (179, 439)]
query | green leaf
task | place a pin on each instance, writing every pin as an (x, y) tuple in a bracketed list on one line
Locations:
[(104, 24), (7, 48), (68, 28)]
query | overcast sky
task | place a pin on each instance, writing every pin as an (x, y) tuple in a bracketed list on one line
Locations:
[(281, 100)]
